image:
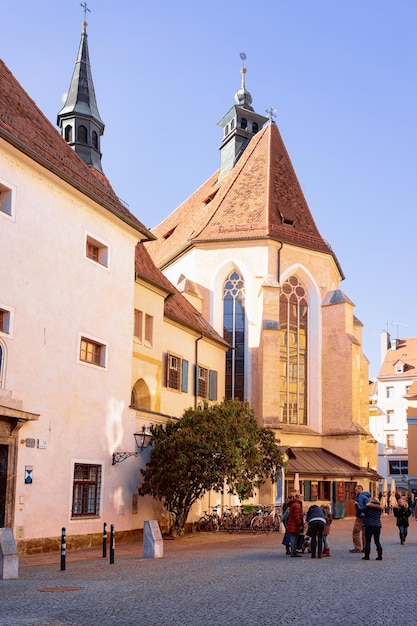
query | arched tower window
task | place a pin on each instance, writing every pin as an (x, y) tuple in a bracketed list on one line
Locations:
[(68, 133), (293, 320), (82, 134), (243, 123), (94, 139), (234, 333)]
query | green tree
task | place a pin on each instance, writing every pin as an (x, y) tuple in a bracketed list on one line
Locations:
[(209, 447)]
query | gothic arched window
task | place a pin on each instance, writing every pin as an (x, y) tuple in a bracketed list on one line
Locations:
[(234, 333), (94, 138), (293, 323), (68, 133), (82, 134)]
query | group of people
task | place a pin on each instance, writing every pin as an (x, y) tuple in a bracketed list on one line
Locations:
[(368, 522), (367, 525), (318, 519)]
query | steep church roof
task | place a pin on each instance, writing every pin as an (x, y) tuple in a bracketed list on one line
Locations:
[(260, 198), (176, 306), (23, 125)]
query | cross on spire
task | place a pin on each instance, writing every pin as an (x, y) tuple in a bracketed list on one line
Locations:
[(85, 7), (272, 113)]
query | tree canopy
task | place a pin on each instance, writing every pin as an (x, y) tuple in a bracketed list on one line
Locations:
[(208, 448)]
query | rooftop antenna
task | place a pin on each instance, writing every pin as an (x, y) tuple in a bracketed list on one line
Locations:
[(398, 324)]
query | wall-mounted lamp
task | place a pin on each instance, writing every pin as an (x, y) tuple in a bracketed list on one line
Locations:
[(142, 440)]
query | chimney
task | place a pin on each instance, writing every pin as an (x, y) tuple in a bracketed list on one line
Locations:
[(393, 345), (385, 343)]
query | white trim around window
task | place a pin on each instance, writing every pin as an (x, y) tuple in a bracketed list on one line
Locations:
[(6, 320), (92, 351), (7, 200), (96, 250)]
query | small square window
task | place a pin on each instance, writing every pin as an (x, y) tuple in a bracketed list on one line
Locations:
[(5, 201), (4, 321), (148, 330), (92, 352), (96, 251)]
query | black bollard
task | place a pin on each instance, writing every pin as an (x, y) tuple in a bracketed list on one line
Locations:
[(104, 540), (63, 549), (112, 544)]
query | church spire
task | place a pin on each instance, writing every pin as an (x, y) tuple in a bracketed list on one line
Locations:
[(239, 125), (79, 119)]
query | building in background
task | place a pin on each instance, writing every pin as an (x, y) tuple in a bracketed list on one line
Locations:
[(391, 397)]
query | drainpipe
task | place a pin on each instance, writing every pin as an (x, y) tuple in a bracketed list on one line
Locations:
[(196, 370), (279, 262)]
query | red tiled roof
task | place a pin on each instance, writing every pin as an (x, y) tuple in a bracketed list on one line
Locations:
[(23, 125), (406, 352), (177, 307), (260, 198)]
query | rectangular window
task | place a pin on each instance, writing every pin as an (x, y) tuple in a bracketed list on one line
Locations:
[(202, 382), (92, 352), (398, 467), (177, 373), (390, 441), (174, 372), (86, 490), (5, 201), (148, 329), (96, 251), (390, 392), (390, 417), (138, 325), (4, 321)]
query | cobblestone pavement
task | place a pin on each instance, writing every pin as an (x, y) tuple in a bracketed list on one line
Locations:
[(229, 580)]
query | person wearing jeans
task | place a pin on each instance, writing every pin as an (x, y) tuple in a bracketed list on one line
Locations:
[(316, 519), (358, 533)]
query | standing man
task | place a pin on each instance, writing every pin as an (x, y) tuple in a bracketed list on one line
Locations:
[(358, 533)]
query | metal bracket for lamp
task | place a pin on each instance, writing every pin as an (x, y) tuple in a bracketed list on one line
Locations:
[(142, 440)]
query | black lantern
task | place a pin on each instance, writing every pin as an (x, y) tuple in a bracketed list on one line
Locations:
[(142, 440)]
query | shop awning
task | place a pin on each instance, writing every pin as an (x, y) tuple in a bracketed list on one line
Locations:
[(318, 462)]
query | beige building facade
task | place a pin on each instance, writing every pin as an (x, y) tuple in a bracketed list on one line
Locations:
[(272, 285), (92, 334)]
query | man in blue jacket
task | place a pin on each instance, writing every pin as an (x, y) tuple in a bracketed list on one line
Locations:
[(358, 533)]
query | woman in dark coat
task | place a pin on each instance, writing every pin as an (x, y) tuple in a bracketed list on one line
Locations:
[(372, 523), (402, 512), (295, 524)]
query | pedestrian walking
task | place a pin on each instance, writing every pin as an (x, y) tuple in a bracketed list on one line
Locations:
[(402, 512), (286, 540), (372, 524), (316, 520), (295, 524), (358, 532), (329, 519)]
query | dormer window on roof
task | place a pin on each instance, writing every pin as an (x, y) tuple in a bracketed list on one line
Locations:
[(399, 367)]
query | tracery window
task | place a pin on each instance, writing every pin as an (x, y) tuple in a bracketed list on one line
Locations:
[(234, 333), (293, 320)]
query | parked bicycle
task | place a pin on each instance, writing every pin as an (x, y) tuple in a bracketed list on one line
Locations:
[(209, 521)]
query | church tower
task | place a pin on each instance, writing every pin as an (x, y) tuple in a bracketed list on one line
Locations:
[(79, 119)]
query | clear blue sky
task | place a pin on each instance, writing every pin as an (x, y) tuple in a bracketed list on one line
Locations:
[(340, 73)]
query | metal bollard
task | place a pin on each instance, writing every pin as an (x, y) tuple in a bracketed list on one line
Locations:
[(104, 540), (63, 549), (112, 544)]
